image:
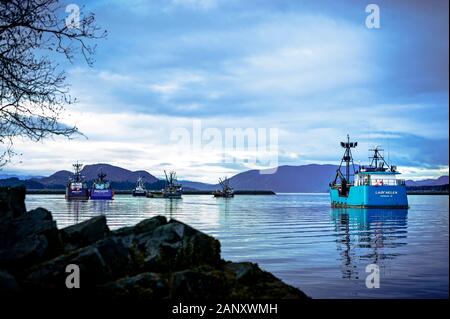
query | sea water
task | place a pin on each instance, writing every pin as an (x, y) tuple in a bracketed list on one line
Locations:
[(325, 252)]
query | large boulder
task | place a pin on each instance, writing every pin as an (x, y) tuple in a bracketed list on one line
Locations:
[(52, 274), (143, 286), (13, 230), (229, 281), (145, 226), (12, 202), (250, 282), (28, 239), (173, 246), (85, 233), (155, 259), (117, 256), (103, 261), (8, 284), (200, 283), (26, 252)]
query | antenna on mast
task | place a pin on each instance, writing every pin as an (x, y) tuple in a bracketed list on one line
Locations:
[(389, 152), (347, 159)]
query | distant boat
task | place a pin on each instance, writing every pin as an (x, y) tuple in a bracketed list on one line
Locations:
[(139, 190), (173, 189), (373, 186), (155, 194), (101, 188), (226, 191), (76, 186)]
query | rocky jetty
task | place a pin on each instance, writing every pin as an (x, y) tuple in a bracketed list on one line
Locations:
[(155, 259)]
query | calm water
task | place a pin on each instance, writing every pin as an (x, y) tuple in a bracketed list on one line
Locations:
[(300, 239)]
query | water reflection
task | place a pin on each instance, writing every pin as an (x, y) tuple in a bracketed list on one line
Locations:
[(73, 208), (224, 206), (172, 206), (101, 206), (300, 239), (79, 210), (368, 236)]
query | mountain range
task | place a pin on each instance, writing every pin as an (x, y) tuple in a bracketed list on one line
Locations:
[(90, 172), (312, 178), (443, 180)]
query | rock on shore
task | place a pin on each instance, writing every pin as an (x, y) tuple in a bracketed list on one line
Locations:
[(155, 259)]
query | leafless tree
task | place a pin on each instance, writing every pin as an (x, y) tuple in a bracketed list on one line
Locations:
[(33, 88)]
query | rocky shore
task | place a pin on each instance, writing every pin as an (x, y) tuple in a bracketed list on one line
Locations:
[(155, 259)]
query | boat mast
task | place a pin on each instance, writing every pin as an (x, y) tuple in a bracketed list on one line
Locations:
[(101, 177), (378, 158), (347, 158), (77, 168)]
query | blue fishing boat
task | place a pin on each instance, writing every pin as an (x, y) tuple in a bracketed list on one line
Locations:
[(101, 188), (372, 186), (76, 186)]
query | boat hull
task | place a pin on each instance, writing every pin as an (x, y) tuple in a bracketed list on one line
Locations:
[(102, 194), (139, 193), (155, 195), (223, 195), (82, 194), (371, 197)]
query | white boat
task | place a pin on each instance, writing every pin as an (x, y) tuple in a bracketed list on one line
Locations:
[(140, 190)]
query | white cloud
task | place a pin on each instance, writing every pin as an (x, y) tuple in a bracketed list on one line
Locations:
[(307, 75), (200, 4)]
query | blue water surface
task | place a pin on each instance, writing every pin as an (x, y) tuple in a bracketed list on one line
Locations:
[(300, 239)]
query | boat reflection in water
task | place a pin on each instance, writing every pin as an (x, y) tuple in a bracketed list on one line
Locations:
[(172, 207), (81, 210), (368, 236), (74, 208)]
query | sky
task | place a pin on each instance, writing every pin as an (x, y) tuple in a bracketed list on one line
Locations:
[(175, 77)]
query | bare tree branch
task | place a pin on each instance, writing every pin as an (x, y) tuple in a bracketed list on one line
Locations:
[(33, 88)]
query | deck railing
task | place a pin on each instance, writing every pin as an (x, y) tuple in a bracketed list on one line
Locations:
[(381, 182)]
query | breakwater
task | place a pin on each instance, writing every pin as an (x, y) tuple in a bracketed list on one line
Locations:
[(128, 192), (155, 259)]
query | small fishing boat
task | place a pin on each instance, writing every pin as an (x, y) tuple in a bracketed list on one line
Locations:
[(76, 186), (101, 188), (226, 191), (372, 186), (173, 189), (139, 190)]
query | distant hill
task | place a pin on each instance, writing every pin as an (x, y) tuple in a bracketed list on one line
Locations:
[(116, 174), (14, 181), (90, 172), (198, 186), (19, 176), (311, 178), (443, 180), (120, 177), (58, 178)]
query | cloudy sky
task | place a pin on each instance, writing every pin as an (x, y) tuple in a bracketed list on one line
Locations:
[(174, 75)]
